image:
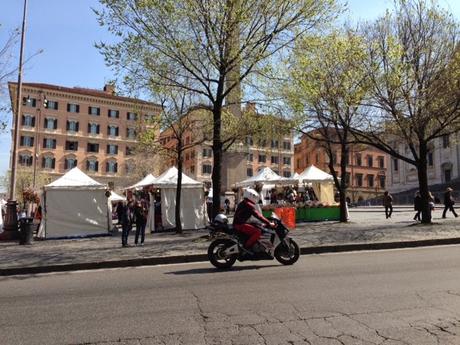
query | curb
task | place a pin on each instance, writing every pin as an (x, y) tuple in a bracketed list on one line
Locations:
[(178, 259)]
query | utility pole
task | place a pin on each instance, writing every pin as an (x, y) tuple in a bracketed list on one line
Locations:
[(11, 218)]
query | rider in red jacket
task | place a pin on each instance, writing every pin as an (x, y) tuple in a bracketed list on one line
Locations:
[(244, 211)]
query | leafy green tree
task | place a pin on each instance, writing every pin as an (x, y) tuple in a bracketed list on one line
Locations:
[(206, 47), (413, 65), (327, 85)]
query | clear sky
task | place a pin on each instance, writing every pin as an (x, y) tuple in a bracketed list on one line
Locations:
[(66, 30)]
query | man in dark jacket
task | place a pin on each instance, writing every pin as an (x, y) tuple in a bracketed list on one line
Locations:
[(140, 216), (126, 219), (388, 204), (449, 203)]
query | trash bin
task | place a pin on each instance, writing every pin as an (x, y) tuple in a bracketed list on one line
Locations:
[(27, 230)]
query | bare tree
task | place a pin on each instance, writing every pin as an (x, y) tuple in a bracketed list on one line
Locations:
[(206, 47), (6, 69), (413, 66), (179, 120)]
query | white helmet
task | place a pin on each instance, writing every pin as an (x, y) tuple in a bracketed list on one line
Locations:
[(251, 194), (221, 218)]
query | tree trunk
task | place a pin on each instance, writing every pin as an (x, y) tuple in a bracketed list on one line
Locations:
[(343, 184), (179, 188), (422, 170), (217, 159)]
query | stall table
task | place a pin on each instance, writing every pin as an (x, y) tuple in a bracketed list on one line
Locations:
[(309, 214)]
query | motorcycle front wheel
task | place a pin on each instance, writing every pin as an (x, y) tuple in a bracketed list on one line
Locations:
[(216, 254), (287, 253)]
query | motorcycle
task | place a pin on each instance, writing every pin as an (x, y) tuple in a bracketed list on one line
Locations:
[(227, 246)]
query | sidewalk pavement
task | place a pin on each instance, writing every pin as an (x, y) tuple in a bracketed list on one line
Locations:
[(365, 231)]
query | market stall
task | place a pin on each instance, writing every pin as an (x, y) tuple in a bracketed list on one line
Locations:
[(311, 199), (143, 184), (75, 205), (193, 211), (322, 186), (268, 180), (146, 181)]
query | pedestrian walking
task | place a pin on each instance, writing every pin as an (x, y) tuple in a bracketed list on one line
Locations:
[(388, 204), (417, 206), (431, 202), (140, 215), (126, 218), (449, 203)]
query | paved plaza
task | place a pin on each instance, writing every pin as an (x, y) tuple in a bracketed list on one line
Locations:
[(367, 225)]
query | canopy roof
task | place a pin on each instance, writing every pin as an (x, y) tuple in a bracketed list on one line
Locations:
[(313, 174), (116, 197), (75, 178), (169, 180), (146, 181), (266, 175)]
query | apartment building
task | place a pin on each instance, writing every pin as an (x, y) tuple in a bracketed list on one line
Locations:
[(366, 171), (443, 160), (65, 127), (242, 161)]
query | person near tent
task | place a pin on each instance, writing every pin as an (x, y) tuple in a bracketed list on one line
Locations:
[(158, 219), (227, 206), (126, 217), (245, 210), (273, 197), (208, 205), (140, 216)]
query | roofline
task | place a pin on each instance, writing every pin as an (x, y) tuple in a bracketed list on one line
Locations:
[(85, 92)]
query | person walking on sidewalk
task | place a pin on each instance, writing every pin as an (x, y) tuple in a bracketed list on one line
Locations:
[(417, 206), (431, 202), (140, 215), (388, 204), (449, 203)]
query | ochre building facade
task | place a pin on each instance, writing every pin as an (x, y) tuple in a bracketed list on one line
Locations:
[(94, 130)]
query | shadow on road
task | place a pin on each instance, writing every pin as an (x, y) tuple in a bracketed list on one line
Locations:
[(215, 270)]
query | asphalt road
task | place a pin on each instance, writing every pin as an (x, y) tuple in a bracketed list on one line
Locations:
[(386, 297)]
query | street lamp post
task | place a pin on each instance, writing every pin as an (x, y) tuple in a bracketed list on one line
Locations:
[(11, 219)]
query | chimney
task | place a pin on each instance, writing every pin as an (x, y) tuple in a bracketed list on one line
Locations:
[(109, 89)]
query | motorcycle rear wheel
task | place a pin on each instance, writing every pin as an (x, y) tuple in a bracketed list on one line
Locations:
[(215, 254), (287, 254)]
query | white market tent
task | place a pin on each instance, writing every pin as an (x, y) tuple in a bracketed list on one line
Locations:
[(266, 176), (114, 197), (321, 181), (314, 174), (146, 181), (193, 213), (75, 205), (269, 179)]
